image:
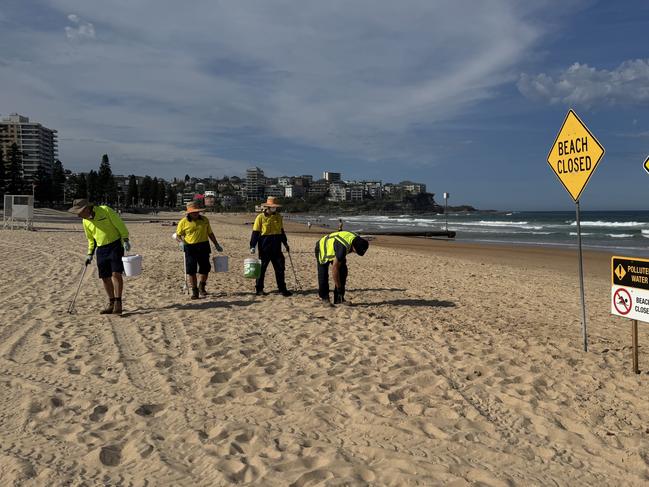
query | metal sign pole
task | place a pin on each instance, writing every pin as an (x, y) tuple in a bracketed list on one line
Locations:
[(581, 283), (446, 210), (634, 338)]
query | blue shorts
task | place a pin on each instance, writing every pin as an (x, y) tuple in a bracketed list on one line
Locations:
[(109, 259)]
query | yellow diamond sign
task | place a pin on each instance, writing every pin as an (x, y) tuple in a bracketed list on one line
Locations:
[(646, 165), (620, 272), (574, 155)]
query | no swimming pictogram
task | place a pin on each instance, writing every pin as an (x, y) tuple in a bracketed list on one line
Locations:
[(622, 301)]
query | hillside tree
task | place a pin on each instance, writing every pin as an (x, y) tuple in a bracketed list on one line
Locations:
[(171, 196), (94, 189), (106, 184), (58, 182), (154, 192), (15, 182), (132, 197), (42, 185), (146, 190)]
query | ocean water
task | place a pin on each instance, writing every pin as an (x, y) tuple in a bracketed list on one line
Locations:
[(620, 231)]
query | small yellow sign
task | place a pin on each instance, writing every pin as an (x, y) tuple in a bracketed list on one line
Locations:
[(574, 155), (646, 165)]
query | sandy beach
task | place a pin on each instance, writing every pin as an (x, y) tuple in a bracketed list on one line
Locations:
[(455, 364)]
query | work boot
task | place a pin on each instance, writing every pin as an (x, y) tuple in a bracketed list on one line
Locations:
[(286, 293), (109, 308), (260, 292), (117, 306), (194, 293), (201, 288)]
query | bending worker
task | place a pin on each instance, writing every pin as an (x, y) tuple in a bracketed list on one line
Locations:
[(108, 237), (333, 249), (195, 232), (268, 234)]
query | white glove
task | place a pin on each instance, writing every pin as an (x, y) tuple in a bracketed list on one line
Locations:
[(252, 250), (127, 246)]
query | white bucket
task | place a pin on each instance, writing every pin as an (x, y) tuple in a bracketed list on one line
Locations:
[(132, 265), (220, 263)]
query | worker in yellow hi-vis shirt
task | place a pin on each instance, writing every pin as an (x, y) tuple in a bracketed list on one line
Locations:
[(195, 232), (268, 234), (108, 238)]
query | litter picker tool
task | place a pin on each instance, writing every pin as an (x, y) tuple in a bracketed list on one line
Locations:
[(297, 283), (180, 244), (74, 299)]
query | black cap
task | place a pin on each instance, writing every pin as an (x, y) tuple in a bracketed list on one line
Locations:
[(360, 245)]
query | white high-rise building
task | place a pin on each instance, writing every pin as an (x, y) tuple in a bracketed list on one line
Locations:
[(255, 182), (332, 177), (37, 143)]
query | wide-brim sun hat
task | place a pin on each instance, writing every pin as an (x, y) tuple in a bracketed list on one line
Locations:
[(271, 202), (79, 205), (193, 207)]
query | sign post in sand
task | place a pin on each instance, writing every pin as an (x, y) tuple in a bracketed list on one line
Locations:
[(573, 158), (446, 195), (630, 294)]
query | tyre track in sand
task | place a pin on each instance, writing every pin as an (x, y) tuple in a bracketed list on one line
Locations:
[(508, 424)]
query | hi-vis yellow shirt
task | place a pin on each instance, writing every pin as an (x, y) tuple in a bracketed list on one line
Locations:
[(195, 231), (105, 227), (268, 224)]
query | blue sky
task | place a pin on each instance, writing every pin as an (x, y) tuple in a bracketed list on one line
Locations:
[(466, 96)]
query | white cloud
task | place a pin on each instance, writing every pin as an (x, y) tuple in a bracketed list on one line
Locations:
[(82, 30), (348, 77), (583, 85)]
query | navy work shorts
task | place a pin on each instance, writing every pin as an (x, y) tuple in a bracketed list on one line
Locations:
[(197, 257), (109, 259)]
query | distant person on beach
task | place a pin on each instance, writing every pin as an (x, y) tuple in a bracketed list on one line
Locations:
[(195, 232), (332, 250), (340, 224), (308, 224), (268, 234), (108, 238)]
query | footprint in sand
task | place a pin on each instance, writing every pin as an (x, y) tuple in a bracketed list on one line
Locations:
[(110, 455), (220, 377), (149, 410), (98, 413)]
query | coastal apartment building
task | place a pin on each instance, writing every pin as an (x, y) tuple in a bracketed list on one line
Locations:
[(332, 177), (37, 143), (413, 188), (255, 182), (337, 192)]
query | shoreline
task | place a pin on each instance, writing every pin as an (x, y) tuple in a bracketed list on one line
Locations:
[(556, 258), (596, 262)]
